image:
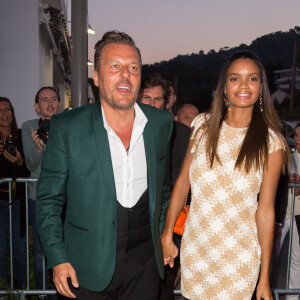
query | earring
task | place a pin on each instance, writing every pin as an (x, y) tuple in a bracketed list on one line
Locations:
[(227, 102), (260, 102)]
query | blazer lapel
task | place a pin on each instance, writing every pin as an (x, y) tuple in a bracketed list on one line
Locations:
[(103, 149), (151, 167)]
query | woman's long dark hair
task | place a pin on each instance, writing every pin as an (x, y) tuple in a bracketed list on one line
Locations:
[(255, 148), (14, 126)]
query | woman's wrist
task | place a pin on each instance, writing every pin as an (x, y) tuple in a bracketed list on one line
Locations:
[(167, 234), (20, 161)]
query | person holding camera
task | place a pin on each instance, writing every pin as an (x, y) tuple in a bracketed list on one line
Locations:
[(34, 136), (11, 165)]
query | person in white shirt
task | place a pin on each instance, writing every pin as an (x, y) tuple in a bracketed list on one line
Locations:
[(108, 163)]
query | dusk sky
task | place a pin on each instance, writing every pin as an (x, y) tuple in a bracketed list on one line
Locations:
[(162, 29)]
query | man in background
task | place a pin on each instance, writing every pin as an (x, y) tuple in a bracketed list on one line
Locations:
[(154, 92), (186, 113), (171, 97), (34, 138)]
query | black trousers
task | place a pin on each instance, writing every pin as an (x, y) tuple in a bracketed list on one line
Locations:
[(136, 277)]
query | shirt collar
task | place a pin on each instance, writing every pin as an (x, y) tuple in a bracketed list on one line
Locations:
[(140, 120)]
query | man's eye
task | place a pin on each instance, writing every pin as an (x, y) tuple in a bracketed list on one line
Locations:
[(114, 66)]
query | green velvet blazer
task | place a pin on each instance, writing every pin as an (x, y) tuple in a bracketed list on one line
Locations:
[(77, 172)]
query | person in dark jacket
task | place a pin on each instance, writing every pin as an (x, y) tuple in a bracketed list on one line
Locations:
[(12, 165)]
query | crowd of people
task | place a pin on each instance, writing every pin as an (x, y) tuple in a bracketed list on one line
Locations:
[(115, 174)]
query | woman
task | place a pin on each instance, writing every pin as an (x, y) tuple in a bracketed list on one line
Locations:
[(11, 165), (235, 153)]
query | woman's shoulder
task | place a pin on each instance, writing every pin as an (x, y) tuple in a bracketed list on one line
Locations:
[(200, 120), (276, 141)]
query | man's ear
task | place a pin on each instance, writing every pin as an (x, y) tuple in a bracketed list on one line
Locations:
[(96, 78), (175, 118), (36, 106)]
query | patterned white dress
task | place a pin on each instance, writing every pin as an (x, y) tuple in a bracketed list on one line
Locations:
[(220, 253)]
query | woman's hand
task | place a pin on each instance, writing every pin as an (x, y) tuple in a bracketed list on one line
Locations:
[(18, 159), (38, 142), (169, 249), (263, 291)]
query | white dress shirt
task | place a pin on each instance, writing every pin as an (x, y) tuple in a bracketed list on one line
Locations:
[(130, 171)]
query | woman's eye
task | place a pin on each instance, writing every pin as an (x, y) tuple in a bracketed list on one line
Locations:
[(253, 79)]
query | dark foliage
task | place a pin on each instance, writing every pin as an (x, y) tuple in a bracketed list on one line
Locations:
[(196, 74)]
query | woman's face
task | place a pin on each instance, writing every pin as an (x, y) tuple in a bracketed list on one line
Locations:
[(6, 117), (243, 83), (297, 138)]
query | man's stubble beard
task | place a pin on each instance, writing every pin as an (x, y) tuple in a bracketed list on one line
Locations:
[(112, 102)]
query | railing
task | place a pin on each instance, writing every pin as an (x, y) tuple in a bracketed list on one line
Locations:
[(26, 290), (44, 291), (287, 290)]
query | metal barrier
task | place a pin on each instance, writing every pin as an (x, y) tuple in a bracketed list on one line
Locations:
[(26, 290), (44, 291)]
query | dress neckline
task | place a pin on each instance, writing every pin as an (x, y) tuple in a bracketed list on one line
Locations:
[(241, 129)]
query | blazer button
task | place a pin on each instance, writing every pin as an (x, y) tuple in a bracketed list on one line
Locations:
[(113, 222)]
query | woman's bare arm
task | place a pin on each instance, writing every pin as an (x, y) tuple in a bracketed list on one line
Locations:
[(265, 219)]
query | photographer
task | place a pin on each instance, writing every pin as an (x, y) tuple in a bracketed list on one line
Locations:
[(34, 137), (11, 165)]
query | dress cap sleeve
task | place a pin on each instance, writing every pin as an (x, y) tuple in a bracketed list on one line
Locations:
[(276, 141), (196, 134)]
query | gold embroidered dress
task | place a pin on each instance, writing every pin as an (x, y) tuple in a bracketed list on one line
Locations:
[(220, 253)]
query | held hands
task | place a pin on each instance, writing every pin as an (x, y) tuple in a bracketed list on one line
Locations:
[(61, 273), (40, 145), (263, 291), (169, 249)]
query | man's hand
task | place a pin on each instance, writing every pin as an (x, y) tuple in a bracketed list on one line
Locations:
[(38, 142), (169, 249), (61, 273)]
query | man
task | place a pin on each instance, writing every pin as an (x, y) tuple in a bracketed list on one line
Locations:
[(47, 103), (153, 91), (108, 163), (186, 113), (171, 96), (154, 88)]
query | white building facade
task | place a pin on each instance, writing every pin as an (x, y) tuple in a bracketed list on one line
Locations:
[(34, 52)]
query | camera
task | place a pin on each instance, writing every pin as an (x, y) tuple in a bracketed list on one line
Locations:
[(10, 146), (43, 130)]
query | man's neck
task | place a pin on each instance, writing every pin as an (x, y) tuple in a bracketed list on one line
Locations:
[(117, 118)]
